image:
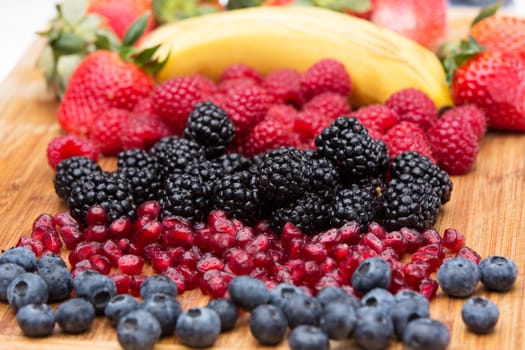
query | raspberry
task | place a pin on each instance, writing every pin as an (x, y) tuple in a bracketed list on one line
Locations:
[(330, 104), (143, 130), (377, 117), (284, 86), (471, 115), (327, 75), (309, 123), (106, 130), (413, 105), (407, 136), (206, 85), (174, 99), (231, 85), (454, 146), (247, 107), (267, 135), (67, 146), (284, 114), (237, 71), (144, 106)]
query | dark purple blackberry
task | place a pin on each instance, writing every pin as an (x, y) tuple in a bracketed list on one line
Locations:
[(69, 171), (210, 127), (173, 153), (233, 162), (309, 212), (144, 183), (349, 146), (208, 171), (357, 203), (283, 174), (184, 195), (238, 195), (422, 167), (136, 158), (324, 175), (110, 190), (410, 202)]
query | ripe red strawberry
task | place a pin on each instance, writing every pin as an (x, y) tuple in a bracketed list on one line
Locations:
[(327, 75), (237, 71), (267, 135), (329, 104), (142, 130), (414, 106), (106, 130), (472, 116), (103, 80), (247, 107), (377, 117), (121, 14), (67, 146), (284, 86)]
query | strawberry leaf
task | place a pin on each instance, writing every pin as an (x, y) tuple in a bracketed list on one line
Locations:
[(68, 43), (298, 3), (135, 30), (487, 11), (167, 11), (239, 4), (455, 55)]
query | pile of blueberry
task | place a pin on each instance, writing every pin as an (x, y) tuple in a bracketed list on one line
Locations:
[(372, 322)]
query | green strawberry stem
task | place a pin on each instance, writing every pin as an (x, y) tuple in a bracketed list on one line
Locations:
[(454, 55)]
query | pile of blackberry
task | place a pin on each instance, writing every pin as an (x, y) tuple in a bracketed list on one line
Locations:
[(344, 179)]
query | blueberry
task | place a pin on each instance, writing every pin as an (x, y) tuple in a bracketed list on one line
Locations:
[(36, 320), (302, 309), (120, 306), (409, 305), (407, 294), (248, 292), (158, 284), (498, 273), (8, 272), (96, 288), (379, 297), (307, 337), (138, 330), (374, 328), (198, 327), (27, 288), (426, 334), (332, 294), (75, 316), (59, 281), (227, 312), (480, 315), (371, 273), (268, 324), (458, 277), (281, 292), (338, 320), (50, 259), (20, 256), (165, 308)]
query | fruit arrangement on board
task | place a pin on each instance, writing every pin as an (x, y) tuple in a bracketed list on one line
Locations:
[(289, 159)]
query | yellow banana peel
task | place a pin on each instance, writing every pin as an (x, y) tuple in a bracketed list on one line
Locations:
[(379, 61)]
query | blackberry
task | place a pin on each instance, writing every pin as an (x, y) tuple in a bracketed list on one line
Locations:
[(144, 183), (325, 175), (283, 174), (349, 146), (184, 195), (422, 167), (238, 195), (356, 203), (207, 171), (109, 190), (71, 170), (233, 162), (210, 127), (308, 212), (410, 202), (136, 158), (173, 152)]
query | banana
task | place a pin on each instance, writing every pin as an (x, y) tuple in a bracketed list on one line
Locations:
[(379, 61)]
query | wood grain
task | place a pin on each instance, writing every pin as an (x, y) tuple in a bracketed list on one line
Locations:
[(488, 205)]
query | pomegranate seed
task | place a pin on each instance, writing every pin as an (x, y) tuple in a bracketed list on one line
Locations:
[(122, 282), (71, 236), (373, 242), (433, 261), (238, 224), (260, 243), (329, 238), (326, 281), (469, 253), (396, 241), (364, 251), (177, 231), (133, 249), (328, 265), (142, 221), (65, 219), (433, 249), (397, 282), (215, 215), (150, 209), (348, 265), (260, 274), (415, 272), (282, 274), (221, 242), (96, 233), (136, 283), (377, 229), (190, 258), (294, 248), (44, 221), (340, 252), (83, 265), (149, 233), (160, 261), (428, 287), (350, 232), (123, 244), (214, 283), (241, 263), (111, 250), (96, 215), (223, 225), (453, 240), (270, 284), (275, 255), (202, 236), (191, 277), (431, 235), (390, 255), (33, 244), (209, 262), (175, 254), (414, 239), (39, 232), (289, 232), (100, 263), (315, 251), (263, 260), (131, 264), (244, 235), (121, 228), (297, 269), (84, 250), (177, 277), (312, 273), (150, 250)]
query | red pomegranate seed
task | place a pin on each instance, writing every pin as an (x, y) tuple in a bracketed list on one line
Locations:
[(150, 250), (175, 254), (136, 283), (123, 244), (294, 248), (39, 232), (44, 221), (428, 287), (221, 242), (96, 233), (142, 221), (377, 229), (297, 270), (348, 265), (149, 233), (260, 243), (433, 249), (121, 228), (100, 263), (390, 255), (190, 258), (276, 255), (96, 215), (415, 272), (177, 277), (329, 238), (64, 219), (328, 265), (453, 240), (414, 239), (350, 232), (289, 232), (33, 244), (191, 277), (263, 260), (209, 262), (83, 265), (150, 209), (260, 274), (282, 274), (111, 250), (177, 231), (238, 224), (469, 253), (263, 227), (312, 272), (433, 261), (364, 251), (202, 236), (133, 249), (223, 225), (131, 264), (215, 215), (214, 283), (244, 236), (397, 282), (430, 236), (324, 282), (122, 282), (71, 236), (160, 261), (396, 241), (84, 250), (241, 263), (373, 242), (315, 251), (340, 252)]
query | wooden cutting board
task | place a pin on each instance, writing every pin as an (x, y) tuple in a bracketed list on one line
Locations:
[(488, 205)]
